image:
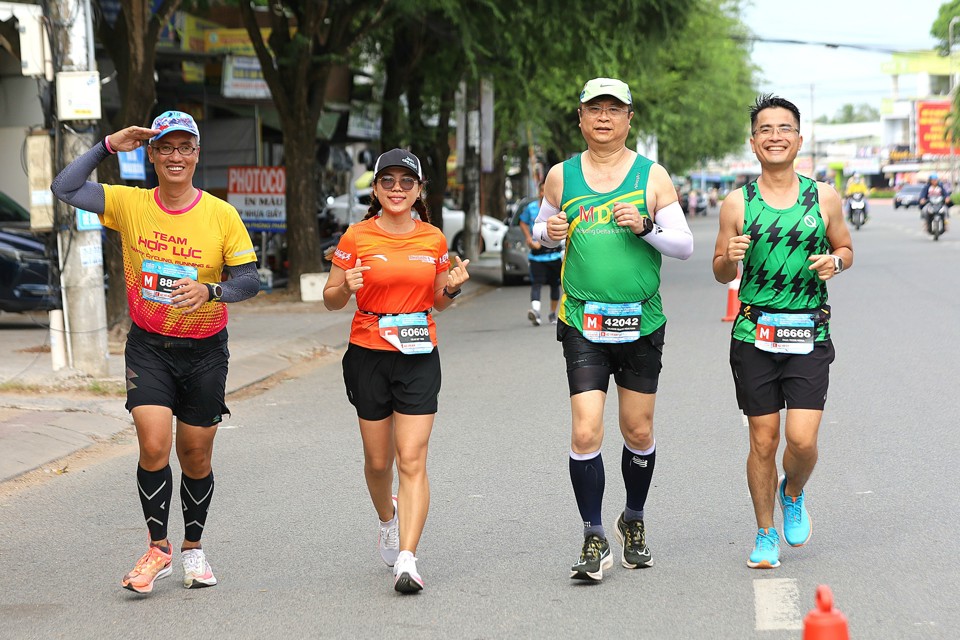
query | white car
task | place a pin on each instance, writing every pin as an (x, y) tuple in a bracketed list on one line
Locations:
[(491, 229)]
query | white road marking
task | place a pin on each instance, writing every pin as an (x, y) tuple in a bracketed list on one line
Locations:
[(776, 604)]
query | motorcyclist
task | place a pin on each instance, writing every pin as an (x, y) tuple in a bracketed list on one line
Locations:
[(932, 188), (855, 185)]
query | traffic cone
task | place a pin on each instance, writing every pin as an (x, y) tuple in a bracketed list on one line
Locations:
[(824, 622), (733, 300)]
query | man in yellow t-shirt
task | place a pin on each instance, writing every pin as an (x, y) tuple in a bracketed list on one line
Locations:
[(176, 240)]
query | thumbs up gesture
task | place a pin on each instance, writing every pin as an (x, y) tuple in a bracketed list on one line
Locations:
[(354, 277)]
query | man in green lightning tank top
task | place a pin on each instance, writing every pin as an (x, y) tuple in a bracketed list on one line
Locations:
[(619, 214), (789, 234)]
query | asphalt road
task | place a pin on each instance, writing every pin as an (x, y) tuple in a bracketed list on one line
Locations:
[(292, 534)]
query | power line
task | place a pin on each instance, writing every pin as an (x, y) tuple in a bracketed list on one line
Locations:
[(875, 48)]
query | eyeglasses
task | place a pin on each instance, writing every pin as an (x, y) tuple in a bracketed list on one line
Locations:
[(168, 149), (389, 182), (594, 110), (767, 130)]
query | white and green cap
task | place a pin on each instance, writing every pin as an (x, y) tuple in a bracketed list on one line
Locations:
[(606, 87)]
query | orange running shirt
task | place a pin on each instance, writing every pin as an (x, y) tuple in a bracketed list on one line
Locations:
[(402, 271), (160, 246)]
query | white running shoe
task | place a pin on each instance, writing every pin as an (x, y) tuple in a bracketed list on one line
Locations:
[(406, 579), (389, 538), (196, 570), (534, 317)]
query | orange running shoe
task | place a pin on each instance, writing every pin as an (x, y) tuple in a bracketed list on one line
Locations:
[(153, 565)]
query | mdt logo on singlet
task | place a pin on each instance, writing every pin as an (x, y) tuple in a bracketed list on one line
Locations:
[(591, 214)]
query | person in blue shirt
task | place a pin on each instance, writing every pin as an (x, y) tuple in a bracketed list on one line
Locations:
[(545, 263), (933, 187)]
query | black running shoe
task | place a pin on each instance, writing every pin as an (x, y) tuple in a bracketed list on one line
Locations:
[(594, 558), (632, 537)]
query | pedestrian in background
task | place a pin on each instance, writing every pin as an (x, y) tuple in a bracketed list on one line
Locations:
[(176, 241), (789, 233), (399, 270), (545, 263), (618, 213)]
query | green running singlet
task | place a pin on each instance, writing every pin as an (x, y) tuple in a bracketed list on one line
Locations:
[(604, 262), (776, 273)]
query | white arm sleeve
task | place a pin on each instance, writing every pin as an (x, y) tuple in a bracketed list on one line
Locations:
[(539, 232), (671, 236)]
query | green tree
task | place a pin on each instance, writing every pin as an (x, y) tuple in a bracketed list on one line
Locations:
[(307, 39), (847, 113), (941, 30)]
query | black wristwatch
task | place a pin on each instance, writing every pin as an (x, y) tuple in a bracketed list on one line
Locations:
[(216, 292), (452, 295), (647, 226)]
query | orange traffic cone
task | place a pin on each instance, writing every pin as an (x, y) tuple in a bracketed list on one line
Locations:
[(824, 622), (733, 300)]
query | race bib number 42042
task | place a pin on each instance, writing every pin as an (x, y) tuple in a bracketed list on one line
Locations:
[(611, 323), (785, 333), (157, 278)]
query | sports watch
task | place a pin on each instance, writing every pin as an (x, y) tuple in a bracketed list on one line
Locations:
[(837, 264), (647, 226), (454, 294), (215, 290)]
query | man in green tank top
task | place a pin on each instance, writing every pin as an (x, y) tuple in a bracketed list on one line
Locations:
[(789, 234), (618, 213)]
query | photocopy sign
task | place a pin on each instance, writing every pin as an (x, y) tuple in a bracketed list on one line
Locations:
[(260, 195)]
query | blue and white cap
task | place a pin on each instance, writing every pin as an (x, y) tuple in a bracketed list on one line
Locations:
[(398, 158), (175, 121)]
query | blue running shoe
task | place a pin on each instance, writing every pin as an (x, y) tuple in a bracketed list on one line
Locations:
[(796, 521), (766, 553)]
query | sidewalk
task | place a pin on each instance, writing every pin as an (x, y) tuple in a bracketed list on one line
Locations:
[(46, 415)]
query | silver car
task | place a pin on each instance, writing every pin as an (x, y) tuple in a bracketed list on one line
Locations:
[(515, 255)]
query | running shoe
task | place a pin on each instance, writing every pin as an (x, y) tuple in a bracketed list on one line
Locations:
[(151, 566), (553, 318), (766, 552), (196, 570), (389, 538), (406, 579), (797, 528), (595, 556), (632, 536), (534, 317)]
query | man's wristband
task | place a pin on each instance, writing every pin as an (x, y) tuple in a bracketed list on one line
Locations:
[(106, 145), (647, 227), (454, 294)]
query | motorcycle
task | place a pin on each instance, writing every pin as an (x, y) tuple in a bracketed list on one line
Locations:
[(935, 212), (858, 209)]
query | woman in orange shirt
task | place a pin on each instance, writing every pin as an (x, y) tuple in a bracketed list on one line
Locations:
[(399, 270)]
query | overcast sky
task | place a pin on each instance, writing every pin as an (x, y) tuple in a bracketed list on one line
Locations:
[(843, 75)]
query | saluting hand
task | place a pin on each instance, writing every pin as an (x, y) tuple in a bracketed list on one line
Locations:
[(131, 138), (457, 275), (557, 227), (354, 277)]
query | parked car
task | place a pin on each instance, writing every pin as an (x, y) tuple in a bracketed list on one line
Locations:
[(27, 274), (907, 196), (515, 255), (491, 229), (12, 215)]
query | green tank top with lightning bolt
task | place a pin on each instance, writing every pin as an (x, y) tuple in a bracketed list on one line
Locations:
[(603, 262), (776, 273)]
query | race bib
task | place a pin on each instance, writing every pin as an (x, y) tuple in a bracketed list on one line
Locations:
[(407, 332), (785, 333), (611, 323), (157, 278)]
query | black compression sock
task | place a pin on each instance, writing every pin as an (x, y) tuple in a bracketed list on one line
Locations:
[(155, 489), (195, 496)]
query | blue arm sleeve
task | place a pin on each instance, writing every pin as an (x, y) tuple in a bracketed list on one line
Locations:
[(72, 187), (244, 283)]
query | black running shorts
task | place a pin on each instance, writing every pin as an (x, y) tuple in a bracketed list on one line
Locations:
[(546, 272), (768, 382), (635, 365), (380, 383), (185, 374)]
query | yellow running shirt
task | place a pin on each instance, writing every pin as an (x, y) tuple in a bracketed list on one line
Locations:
[(161, 246)]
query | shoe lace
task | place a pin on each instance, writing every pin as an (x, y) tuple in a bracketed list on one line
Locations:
[(794, 509), (193, 561), (591, 549), (766, 541), (151, 561), (390, 535), (634, 535)]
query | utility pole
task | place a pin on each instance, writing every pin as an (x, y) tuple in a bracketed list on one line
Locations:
[(80, 250), (471, 170)]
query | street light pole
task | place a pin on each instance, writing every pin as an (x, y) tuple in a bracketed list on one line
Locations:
[(953, 174)]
